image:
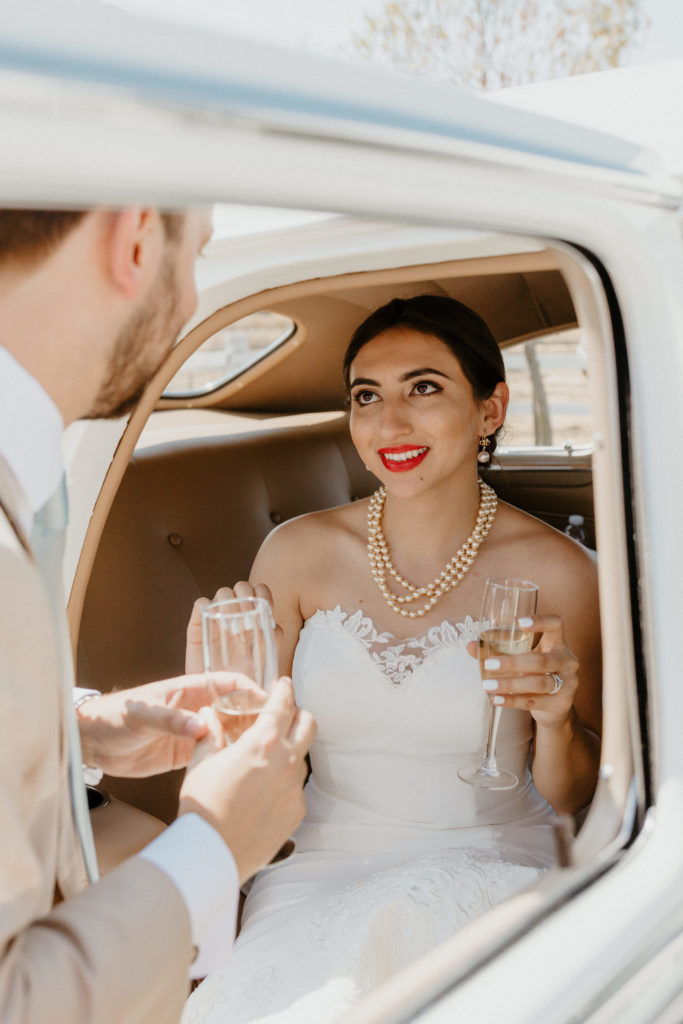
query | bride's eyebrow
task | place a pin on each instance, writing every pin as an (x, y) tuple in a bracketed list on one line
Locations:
[(421, 372), (424, 371)]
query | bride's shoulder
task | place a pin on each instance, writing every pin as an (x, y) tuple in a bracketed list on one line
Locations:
[(319, 529), (544, 543)]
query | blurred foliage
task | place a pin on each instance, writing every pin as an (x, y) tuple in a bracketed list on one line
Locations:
[(491, 44)]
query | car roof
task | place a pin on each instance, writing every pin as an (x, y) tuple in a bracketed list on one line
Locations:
[(643, 103), (203, 71)]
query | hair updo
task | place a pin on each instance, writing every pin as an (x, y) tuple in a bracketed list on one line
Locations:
[(459, 328)]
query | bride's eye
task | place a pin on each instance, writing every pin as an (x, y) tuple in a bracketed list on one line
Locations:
[(426, 387), (365, 397)]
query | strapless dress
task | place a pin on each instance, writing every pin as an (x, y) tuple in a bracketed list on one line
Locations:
[(395, 852)]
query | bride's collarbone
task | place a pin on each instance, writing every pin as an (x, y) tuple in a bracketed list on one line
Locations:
[(338, 575)]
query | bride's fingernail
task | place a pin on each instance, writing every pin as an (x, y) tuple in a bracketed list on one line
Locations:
[(525, 623), (491, 664), (499, 700), (490, 684)]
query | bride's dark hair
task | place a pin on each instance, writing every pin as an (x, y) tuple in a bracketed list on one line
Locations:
[(461, 329)]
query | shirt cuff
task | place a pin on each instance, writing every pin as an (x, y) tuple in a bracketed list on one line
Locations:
[(82, 693), (198, 862), (91, 776)]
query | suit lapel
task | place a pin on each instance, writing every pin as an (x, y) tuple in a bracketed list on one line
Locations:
[(14, 504), (71, 870)]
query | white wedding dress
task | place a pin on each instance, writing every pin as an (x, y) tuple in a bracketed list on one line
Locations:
[(395, 852)]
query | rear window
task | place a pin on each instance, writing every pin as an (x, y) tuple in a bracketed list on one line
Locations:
[(229, 352), (549, 403)]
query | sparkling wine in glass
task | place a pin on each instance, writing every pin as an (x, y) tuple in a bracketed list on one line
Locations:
[(238, 636), (505, 602)]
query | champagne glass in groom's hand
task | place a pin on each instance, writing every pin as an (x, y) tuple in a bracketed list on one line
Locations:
[(506, 601), (238, 635)]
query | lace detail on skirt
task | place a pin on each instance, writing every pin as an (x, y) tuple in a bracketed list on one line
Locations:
[(397, 659), (359, 936), (245, 998), (413, 906)]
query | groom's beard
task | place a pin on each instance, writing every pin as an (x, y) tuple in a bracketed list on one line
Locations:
[(142, 347)]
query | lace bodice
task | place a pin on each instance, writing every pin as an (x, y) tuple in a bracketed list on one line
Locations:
[(396, 658)]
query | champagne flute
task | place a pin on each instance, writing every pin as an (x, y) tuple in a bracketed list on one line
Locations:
[(505, 602), (238, 636)]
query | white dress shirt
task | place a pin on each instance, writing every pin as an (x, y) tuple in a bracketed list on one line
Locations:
[(189, 851), (31, 428)]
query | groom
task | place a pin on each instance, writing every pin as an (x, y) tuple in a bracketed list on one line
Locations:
[(90, 305)]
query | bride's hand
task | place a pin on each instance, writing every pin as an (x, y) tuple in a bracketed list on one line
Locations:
[(543, 682), (194, 658)]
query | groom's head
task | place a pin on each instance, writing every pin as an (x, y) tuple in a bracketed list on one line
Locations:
[(93, 301)]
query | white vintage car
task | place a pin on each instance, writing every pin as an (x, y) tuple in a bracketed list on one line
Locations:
[(566, 240)]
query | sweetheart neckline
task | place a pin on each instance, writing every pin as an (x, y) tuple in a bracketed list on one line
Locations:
[(339, 615), (397, 661)]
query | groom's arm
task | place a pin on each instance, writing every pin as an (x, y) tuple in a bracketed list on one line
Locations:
[(119, 951), (122, 949)]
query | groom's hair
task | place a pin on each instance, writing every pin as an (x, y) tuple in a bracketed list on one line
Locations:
[(30, 235), (27, 236)]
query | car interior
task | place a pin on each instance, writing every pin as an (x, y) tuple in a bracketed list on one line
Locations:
[(212, 474), (245, 426)]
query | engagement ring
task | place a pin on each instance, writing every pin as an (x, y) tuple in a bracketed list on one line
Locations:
[(559, 683)]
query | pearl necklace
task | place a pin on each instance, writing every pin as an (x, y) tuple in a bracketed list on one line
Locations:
[(450, 576)]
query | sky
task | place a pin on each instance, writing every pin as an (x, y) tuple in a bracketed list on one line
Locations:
[(329, 24), (664, 39)]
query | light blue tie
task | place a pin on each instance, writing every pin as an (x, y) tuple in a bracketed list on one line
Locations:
[(47, 540)]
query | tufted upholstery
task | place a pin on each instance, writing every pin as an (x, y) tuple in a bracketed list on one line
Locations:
[(188, 518)]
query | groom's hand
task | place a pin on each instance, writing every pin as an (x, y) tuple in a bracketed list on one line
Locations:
[(149, 729), (251, 791)]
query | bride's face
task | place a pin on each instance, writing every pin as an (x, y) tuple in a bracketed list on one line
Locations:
[(414, 418)]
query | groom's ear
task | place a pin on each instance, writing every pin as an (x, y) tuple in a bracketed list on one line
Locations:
[(134, 247)]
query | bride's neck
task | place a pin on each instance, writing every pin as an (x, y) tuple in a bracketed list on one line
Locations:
[(429, 528)]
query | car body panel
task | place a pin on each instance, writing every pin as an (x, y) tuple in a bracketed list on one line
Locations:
[(210, 74), (618, 101)]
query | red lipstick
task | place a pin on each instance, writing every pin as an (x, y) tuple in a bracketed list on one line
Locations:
[(402, 457)]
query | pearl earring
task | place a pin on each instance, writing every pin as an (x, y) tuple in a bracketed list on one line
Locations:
[(483, 455)]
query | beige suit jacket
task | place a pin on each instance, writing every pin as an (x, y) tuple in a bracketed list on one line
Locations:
[(117, 951)]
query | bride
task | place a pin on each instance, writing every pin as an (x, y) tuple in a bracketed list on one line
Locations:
[(396, 852)]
